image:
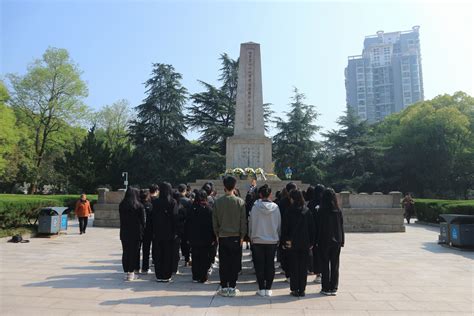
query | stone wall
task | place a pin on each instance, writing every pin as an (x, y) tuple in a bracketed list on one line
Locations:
[(376, 212), (106, 212)]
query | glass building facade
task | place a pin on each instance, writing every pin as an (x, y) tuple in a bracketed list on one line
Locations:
[(387, 77)]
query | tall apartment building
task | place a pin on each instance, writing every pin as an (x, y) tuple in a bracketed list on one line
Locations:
[(387, 77)]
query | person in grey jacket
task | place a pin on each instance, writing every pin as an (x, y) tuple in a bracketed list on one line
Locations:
[(264, 232)]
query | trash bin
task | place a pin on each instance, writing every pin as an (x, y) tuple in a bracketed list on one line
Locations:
[(52, 220), (443, 237), (460, 230)]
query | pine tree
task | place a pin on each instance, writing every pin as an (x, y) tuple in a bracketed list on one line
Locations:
[(294, 144), (158, 130), (86, 166)]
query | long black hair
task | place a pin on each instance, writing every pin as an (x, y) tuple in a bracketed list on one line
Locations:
[(329, 200), (296, 198), (131, 198), (200, 198), (166, 194)]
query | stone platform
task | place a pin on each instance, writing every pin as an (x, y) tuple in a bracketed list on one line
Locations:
[(243, 185)]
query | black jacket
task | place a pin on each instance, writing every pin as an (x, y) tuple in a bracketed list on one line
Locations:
[(313, 207), (148, 216), (298, 227), (284, 205), (165, 219), (330, 228), (184, 206), (132, 222), (199, 229)]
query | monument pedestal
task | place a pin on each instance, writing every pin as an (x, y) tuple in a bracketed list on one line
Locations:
[(253, 152)]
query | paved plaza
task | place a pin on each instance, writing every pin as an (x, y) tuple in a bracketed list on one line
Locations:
[(381, 274)]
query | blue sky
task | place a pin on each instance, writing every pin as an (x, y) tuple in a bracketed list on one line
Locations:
[(303, 44)]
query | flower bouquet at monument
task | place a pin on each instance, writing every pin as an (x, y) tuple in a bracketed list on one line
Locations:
[(250, 172), (229, 172), (239, 172), (260, 174)]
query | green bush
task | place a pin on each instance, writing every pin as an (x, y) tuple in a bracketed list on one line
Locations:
[(429, 210), (17, 210)]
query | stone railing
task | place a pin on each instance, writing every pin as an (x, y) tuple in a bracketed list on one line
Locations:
[(106, 208), (374, 212), (363, 212)]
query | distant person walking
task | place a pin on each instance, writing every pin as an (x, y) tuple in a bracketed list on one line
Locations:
[(132, 225), (329, 241), (200, 236), (230, 226), (298, 238), (409, 206), (264, 232), (165, 233), (83, 211)]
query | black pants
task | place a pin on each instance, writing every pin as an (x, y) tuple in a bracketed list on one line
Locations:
[(163, 254), (282, 257), (201, 256), (316, 260), (176, 245), (264, 256), (130, 255), (83, 224), (213, 253), (146, 246), (298, 262), (330, 267), (229, 261), (185, 250)]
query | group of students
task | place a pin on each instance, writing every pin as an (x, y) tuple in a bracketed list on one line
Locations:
[(304, 230)]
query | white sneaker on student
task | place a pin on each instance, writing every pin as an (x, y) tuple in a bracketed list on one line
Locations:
[(268, 292), (131, 276), (223, 291), (317, 280), (145, 272), (261, 292)]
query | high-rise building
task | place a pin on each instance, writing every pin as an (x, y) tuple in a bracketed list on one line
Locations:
[(387, 77)]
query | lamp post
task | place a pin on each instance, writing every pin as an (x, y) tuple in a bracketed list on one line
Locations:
[(125, 175)]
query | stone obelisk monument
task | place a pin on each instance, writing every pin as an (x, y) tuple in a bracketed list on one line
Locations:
[(249, 147)]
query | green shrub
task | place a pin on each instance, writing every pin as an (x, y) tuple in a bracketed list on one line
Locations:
[(428, 210), (18, 210)]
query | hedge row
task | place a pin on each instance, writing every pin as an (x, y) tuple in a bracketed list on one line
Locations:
[(429, 210), (17, 210)]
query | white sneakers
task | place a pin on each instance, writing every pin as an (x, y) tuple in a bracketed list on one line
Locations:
[(131, 276), (264, 293), (317, 280), (145, 272)]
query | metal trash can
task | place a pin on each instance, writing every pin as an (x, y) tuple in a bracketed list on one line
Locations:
[(460, 230), (443, 237), (48, 221)]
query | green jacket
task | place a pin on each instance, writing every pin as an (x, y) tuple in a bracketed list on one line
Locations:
[(229, 218)]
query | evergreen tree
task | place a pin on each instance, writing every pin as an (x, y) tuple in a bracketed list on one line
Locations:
[(86, 166), (213, 111), (294, 144), (161, 152), (352, 155)]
